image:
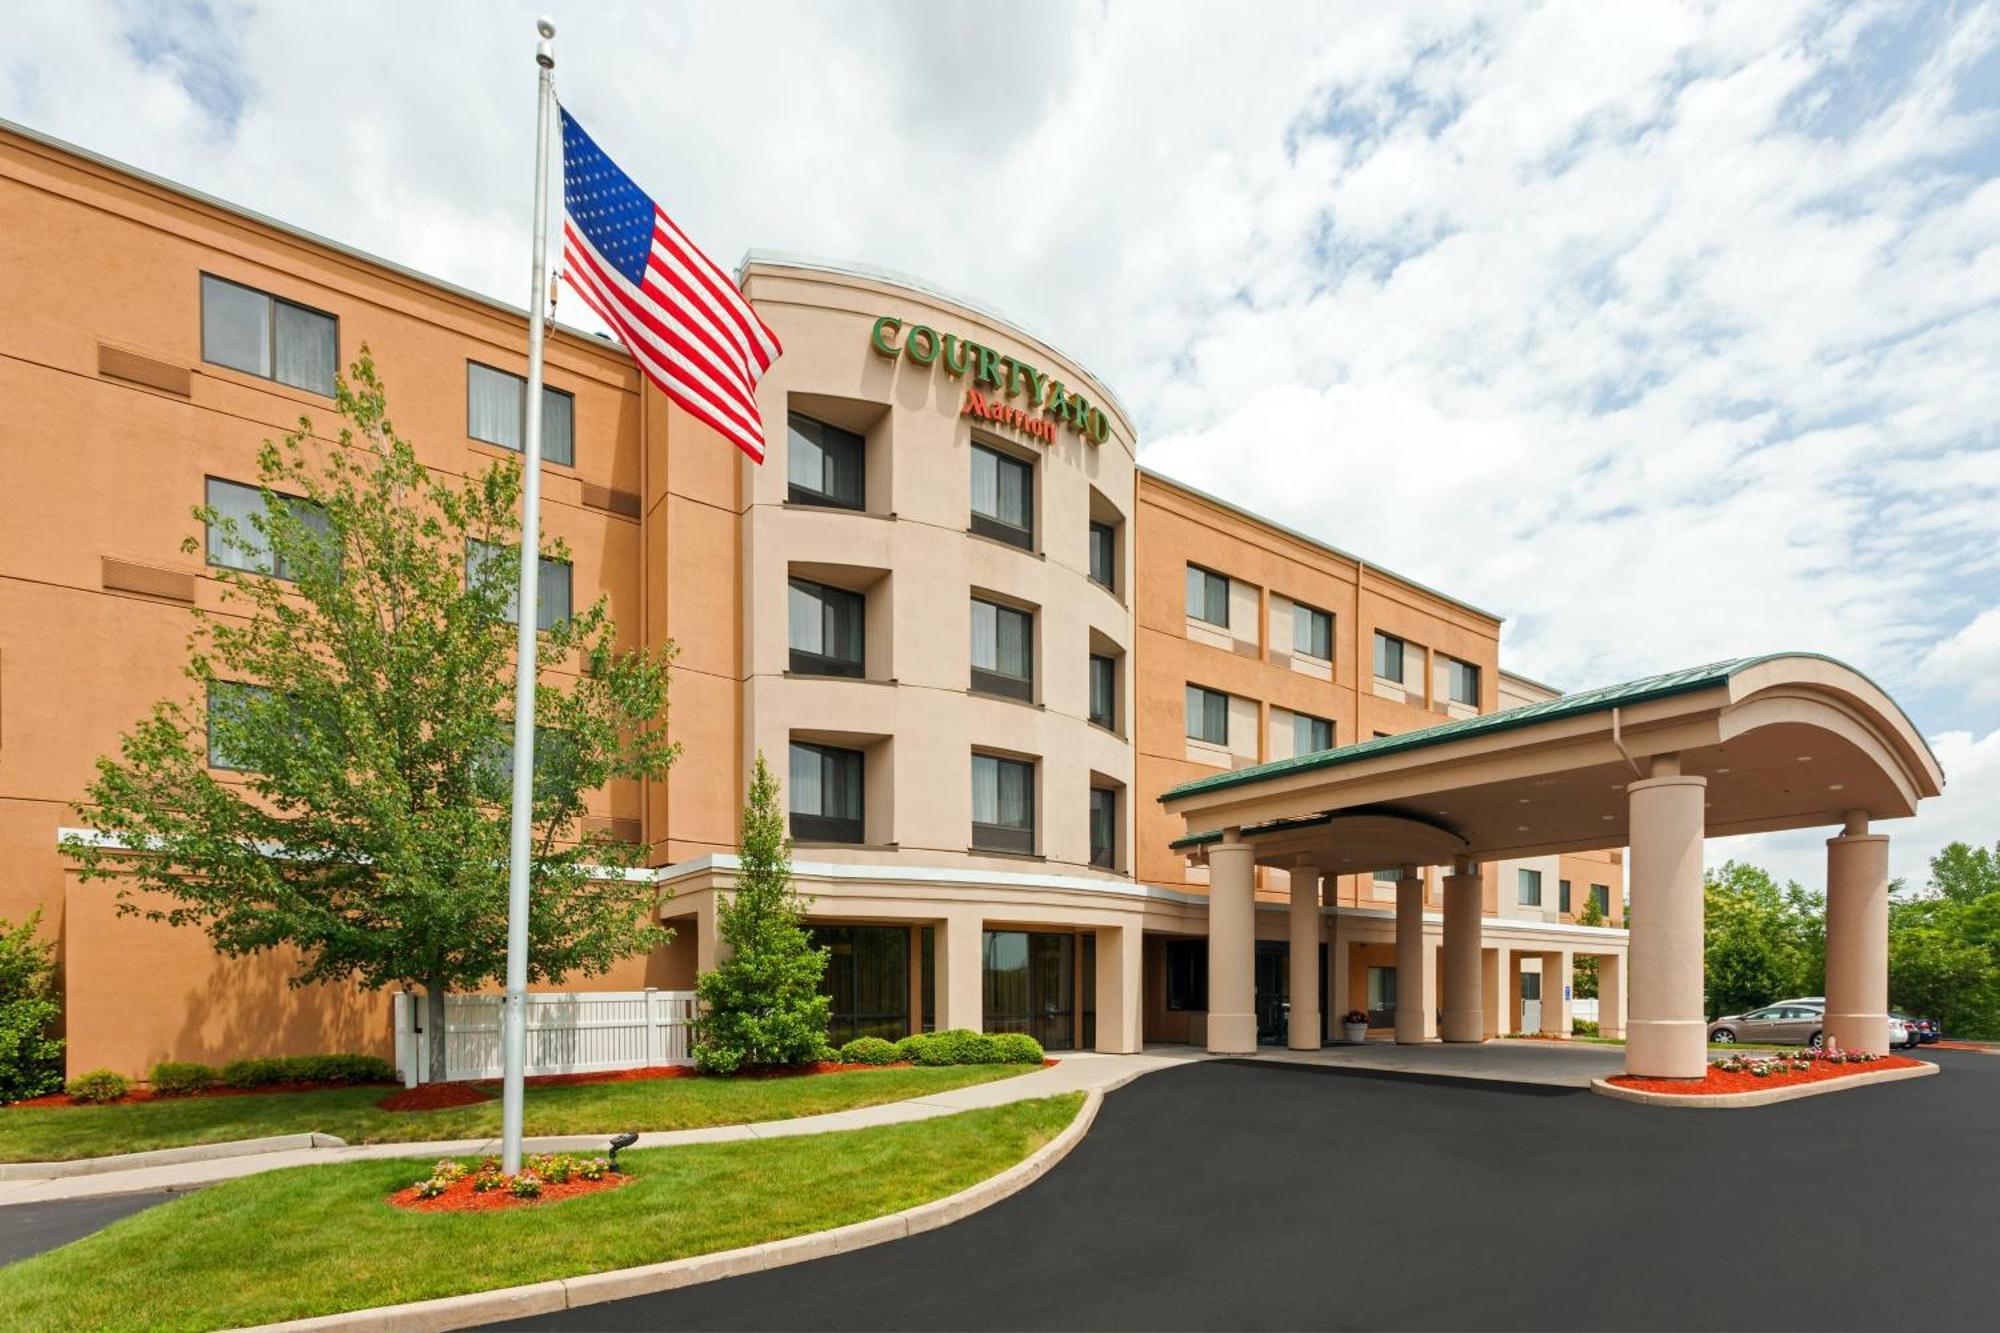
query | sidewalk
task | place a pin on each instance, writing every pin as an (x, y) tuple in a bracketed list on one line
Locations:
[(1074, 1072)]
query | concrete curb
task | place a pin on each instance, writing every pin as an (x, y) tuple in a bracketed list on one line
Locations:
[(1737, 1101), (484, 1307), (135, 1161)]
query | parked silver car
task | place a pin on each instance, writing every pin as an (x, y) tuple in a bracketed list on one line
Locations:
[(1794, 1023)]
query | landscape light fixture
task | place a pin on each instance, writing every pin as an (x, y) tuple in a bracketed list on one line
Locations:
[(625, 1140)]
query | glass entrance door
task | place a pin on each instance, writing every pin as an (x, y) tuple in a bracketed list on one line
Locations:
[(1274, 981)]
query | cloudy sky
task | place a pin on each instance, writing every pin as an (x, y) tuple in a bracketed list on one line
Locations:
[(1670, 331)]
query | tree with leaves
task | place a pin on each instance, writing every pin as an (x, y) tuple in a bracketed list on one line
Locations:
[(1944, 943), (1762, 941), (30, 1058), (761, 1005), (1585, 970), (355, 690)]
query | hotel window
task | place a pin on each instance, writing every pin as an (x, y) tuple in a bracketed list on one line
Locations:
[(824, 466), (826, 632), (552, 595), (261, 334), (1187, 975), (1391, 876), (1461, 682), (1104, 555), (1003, 650), (1207, 715), (1311, 734), (1562, 896), (1381, 996), (825, 793), (228, 702), (1104, 691), (251, 549), (555, 762), (1103, 827), (1528, 888), (1207, 596), (867, 980), (1312, 632), (1003, 497), (1388, 656), (1003, 804), (1600, 894), (494, 412)]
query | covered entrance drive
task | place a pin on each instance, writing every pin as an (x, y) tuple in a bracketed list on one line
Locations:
[(1745, 746)]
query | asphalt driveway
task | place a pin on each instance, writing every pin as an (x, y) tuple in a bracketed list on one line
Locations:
[(1265, 1195)]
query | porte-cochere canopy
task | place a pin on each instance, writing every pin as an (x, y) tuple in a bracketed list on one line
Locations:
[(1751, 745)]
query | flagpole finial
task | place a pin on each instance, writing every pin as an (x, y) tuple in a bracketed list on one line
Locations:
[(544, 56)]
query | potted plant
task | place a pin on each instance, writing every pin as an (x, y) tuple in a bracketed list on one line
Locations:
[(1354, 1026)]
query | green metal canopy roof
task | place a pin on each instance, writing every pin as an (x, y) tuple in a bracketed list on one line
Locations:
[(1569, 705)]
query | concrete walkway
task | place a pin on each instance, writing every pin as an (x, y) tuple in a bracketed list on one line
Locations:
[(1074, 1072)]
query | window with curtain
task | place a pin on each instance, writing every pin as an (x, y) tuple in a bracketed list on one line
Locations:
[(553, 603), (1103, 827), (826, 629), (229, 705), (867, 978), (243, 508), (1312, 632), (1003, 804), (1311, 734), (494, 404), (1104, 555), (1562, 895), (1528, 887), (261, 334), (1388, 656), (1461, 682), (1601, 895), (1003, 496), (825, 464), (1003, 650), (1207, 715), (825, 793), (1104, 691), (1207, 596)]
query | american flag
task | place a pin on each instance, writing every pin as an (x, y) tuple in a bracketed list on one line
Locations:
[(680, 316)]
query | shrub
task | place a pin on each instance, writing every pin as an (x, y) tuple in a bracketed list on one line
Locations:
[(1017, 1048), (957, 1046), (907, 1047), (271, 1070), (178, 1078), (99, 1085), (869, 1051), (1583, 1027), (30, 1059)]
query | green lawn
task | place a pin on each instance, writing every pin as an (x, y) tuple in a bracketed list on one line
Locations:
[(48, 1134), (320, 1239)]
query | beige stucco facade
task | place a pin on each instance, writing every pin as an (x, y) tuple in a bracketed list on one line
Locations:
[(1048, 927)]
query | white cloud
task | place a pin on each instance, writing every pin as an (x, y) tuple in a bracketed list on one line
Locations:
[(1671, 331)]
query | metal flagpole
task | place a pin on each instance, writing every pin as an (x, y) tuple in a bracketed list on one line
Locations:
[(514, 1020)]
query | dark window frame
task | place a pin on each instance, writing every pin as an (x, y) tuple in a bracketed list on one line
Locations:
[(273, 301), (1108, 718), (804, 662), (1104, 542), (544, 564), (1459, 673), (1315, 722), (992, 680), (1210, 581), (1562, 896), (1186, 968), (1188, 700), (1012, 838), (1315, 618), (567, 456), (1387, 645), (817, 437), (1521, 882), (843, 981), (993, 525), (806, 826), (209, 545), (1104, 854), (1601, 895)]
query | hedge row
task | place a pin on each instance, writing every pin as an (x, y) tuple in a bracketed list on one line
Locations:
[(954, 1046), (180, 1078)]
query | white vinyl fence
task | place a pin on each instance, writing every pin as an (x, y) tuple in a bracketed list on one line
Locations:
[(1586, 1010), (578, 1033)]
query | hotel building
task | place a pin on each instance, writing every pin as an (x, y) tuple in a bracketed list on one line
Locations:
[(974, 635)]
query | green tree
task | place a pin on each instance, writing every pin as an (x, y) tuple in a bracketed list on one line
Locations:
[(1944, 943), (358, 680), (1761, 941), (1585, 971), (30, 1059), (1962, 873), (762, 1004)]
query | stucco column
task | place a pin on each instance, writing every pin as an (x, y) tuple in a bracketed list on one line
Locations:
[(1495, 967), (1338, 962), (1666, 1033), (1303, 1029), (1413, 988), (958, 953), (1120, 998), (1610, 995), (1558, 969), (1232, 948), (1463, 974), (709, 950), (1857, 937)]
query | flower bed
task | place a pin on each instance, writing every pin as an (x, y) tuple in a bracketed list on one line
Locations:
[(453, 1187), (1746, 1074)]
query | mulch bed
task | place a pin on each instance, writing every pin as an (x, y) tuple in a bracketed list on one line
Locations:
[(1717, 1082), (148, 1095), (460, 1197), (435, 1097)]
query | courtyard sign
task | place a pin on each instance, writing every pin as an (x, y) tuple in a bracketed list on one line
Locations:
[(1048, 402)]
